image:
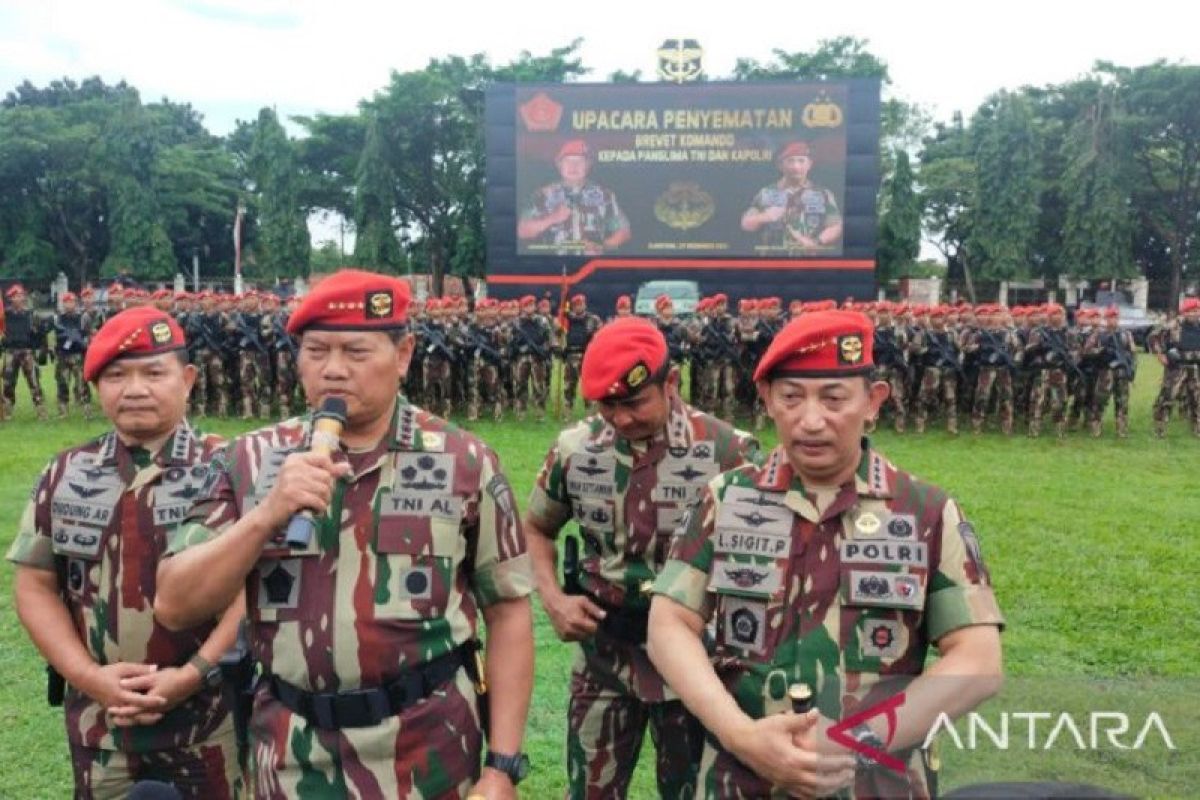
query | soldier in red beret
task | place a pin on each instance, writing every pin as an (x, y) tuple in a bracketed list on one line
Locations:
[(533, 347), (25, 341), (1112, 350), (1052, 355), (624, 306), (576, 332), (364, 619), (626, 475), (71, 334), (822, 571), (140, 701), (572, 215), (1178, 350), (794, 213), (937, 351)]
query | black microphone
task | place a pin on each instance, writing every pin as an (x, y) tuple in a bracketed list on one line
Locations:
[(326, 438)]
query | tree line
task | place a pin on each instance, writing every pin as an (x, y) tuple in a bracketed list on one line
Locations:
[(1098, 177)]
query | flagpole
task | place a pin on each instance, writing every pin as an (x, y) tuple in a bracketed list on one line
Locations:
[(237, 248)]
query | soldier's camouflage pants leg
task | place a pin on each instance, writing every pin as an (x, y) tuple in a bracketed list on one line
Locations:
[(254, 374), (432, 750), (1048, 393), (572, 364), (68, 382), (437, 386), (722, 389), (938, 387), (522, 377), (285, 381), (206, 771), (486, 388), (22, 362), (539, 387), (897, 396), (998, 381), (218, 383), (605, 730), (1181, 383), (1081, 398)]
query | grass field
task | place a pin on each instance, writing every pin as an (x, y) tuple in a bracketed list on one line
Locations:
[(1092, 545)]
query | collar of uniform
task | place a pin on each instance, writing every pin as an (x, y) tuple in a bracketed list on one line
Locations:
[(870, 480), (179, 450), (679, 425), (106, 456)]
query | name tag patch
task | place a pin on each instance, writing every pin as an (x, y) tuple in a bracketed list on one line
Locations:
[(669, 519), (752, 544), (883, 551), (885, 589), (417, 505)]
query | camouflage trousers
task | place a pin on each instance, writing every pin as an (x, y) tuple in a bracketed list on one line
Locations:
[(68, 380), (1022, 382), (531, 377), (719, 382), (432, 750), (205, 771), (572, 365), (606, 725), (939, 387), (1110, 383), (254, 375), (998, 381), (897, 396), (437, 390), (1178, 383), (1048, 393), (24, 363), (1081, 391), (286, 381), (486, 388), (212, 385)]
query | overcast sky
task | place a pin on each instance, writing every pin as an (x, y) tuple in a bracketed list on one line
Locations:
[(231, 57), (228, 58)]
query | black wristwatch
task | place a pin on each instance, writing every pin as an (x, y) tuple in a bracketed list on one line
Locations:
[(516, 767), (210, 675), (863, 734)]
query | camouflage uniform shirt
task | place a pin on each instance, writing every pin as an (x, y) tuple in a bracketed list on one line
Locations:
[(628, 505), (101, 520), (839, 598), (420, 536)]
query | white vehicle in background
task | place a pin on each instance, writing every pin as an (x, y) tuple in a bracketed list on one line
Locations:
[(684, 297)]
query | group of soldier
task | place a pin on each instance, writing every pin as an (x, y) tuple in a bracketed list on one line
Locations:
[(983, 362), (734, 603)]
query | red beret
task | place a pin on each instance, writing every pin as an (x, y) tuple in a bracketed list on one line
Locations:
[(623, 356), (142, 331), (820, 344), (529, 300), (577, 299), (87, 291), (1190, 304), (572, 147), (15, 290), (623, 301), (792, 149), (719, 297), (1111, 312), (67, 297), (663, 301), (353, 300), (116, 288)]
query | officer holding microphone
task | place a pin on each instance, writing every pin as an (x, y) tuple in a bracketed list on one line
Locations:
[(367, 559)]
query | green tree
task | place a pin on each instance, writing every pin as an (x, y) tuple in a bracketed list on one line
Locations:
[(948, 192), (1008, 180), (282, 247), (899, 223), (1160, 116), (1097, 236), (376, 244)]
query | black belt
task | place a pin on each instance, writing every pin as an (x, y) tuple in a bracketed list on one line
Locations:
[(363, 708)]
